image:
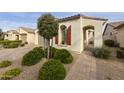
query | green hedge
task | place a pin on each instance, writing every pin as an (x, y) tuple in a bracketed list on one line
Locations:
[(32, 57), (5, 63), (109, 43), (64, 56), (10, 74), (10, 43), (120, 53), (103, 53), (52, 70)]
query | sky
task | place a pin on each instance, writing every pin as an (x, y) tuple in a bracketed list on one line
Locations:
[(13, 20)]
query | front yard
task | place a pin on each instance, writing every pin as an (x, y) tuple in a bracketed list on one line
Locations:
[(83, 67)]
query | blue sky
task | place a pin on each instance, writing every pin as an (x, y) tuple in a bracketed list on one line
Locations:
[(13, 20)]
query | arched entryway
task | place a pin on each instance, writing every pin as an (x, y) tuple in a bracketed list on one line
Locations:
[(88, 36)]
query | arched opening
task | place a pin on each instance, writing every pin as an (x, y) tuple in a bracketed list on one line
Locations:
[(88, 36), (63, 33)]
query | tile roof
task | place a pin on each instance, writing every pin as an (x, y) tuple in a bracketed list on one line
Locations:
[(119, 26), (29, 30), (78, 16), (110, 27), (13, 31), (115, 24)]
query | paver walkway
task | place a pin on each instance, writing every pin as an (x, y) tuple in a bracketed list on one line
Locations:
[(83, 68), (86, 67)]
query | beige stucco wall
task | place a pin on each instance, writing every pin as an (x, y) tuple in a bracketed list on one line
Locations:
[(77, 42), (11, 36), (30, 36), (38, 39), (75, 36), (98, 30), (120, 36)]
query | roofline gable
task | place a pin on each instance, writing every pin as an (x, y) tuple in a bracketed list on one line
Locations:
[(78, 16)]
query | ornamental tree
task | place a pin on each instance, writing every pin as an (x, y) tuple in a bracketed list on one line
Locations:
[(47, 28)]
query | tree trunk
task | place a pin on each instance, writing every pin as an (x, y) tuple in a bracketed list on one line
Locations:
[(44, 46), (51, 48), (48, 49)]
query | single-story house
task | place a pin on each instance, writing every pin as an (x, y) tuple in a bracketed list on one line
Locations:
[(11, 35), (120, 34), (115, 31), (79, 30), (22, 33)]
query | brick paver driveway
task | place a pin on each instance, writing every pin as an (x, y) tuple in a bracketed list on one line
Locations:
[(15, 55), (86, 67)]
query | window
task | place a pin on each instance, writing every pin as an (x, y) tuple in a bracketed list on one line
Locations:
[(64, 32)]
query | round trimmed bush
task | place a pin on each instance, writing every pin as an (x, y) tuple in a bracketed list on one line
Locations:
[(13, 45), (120, 53), (22, 45), (52, 70), (5, 63), (10, 74), (64, 56), (103, 53), (32, 57), (109, 43)]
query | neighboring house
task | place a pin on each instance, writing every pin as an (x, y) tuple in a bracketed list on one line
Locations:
[(27, 35), (79, 31), (22, 33), (120, 34), (115, 31), (11, 35)]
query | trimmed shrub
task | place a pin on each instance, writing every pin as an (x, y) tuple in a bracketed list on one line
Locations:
[(26, 43), (13, 45), (122, 48), (103, 53), (64, 56), (52, 70), (5, 63), (120, 53), (32, 57), (10, 74), (109, 43), (10, 44), (22, 44)]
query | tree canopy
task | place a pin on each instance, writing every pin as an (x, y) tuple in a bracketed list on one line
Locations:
[(47, 26)]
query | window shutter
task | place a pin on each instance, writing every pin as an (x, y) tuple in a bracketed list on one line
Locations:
[(68, 36), (56, 39)]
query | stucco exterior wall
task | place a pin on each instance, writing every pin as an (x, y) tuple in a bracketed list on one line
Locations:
[(38, 39), (98, 30), (120, 36), (76, 39), (30, 36), (11, 36)]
